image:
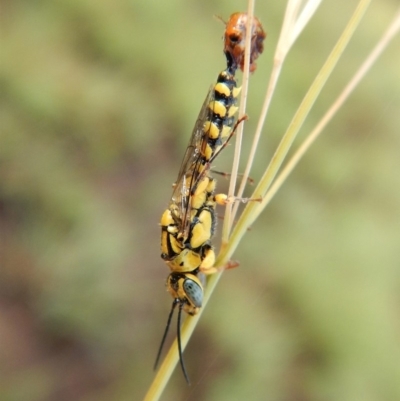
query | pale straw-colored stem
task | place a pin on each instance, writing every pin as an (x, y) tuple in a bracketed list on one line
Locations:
[(239, 133)]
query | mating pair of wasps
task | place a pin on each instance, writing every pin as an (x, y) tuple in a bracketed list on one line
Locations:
[(187, 226)]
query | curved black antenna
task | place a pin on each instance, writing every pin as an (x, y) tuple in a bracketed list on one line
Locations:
[(180, 346), (174, 303)]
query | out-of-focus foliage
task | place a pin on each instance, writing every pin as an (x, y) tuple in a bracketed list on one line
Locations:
[(97, 103)]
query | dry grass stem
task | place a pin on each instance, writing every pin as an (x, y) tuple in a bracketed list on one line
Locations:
[(228, 218)]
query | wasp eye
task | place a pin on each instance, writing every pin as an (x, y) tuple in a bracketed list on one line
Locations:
[(194, 292)]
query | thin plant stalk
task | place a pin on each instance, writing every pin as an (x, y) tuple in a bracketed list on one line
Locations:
[(239, 134)]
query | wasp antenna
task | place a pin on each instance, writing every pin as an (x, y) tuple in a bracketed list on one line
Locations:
[(180, 345), (174, 303)]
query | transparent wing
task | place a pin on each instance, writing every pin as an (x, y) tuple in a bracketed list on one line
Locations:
[(191, 162)]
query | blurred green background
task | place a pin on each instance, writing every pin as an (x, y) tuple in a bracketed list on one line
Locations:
[(98, 100)]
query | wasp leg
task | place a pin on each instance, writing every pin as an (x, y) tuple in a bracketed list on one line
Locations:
[(209, 268), (223, 199)]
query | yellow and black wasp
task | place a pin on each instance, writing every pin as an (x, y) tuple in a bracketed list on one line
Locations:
[(188, 224)]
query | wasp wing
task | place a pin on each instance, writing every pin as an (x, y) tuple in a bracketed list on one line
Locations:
[(190, 166)]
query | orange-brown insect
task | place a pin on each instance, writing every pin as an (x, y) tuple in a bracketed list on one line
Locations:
[(235, 40)]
